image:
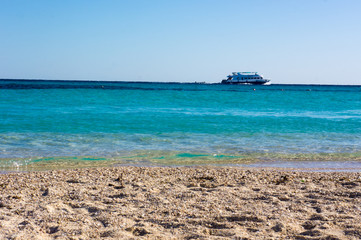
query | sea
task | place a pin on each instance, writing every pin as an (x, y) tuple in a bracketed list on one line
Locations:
[(47, 124)]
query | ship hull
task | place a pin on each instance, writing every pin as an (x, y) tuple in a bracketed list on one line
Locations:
[(246, 82)]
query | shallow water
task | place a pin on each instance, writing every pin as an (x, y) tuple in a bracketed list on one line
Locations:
[(67, 124)]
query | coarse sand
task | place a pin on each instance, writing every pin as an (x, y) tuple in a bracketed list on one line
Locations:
[(180, 203)]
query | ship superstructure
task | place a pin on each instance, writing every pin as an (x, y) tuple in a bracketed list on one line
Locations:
[(245, 78)]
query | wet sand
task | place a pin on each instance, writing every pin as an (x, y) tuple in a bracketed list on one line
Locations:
[(180, 203)]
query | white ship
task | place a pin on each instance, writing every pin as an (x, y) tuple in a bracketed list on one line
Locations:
[(245, 78)]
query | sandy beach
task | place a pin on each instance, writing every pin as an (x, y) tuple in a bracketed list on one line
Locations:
[(180, 203)]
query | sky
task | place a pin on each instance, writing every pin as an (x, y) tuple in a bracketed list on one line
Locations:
[(287, 41)]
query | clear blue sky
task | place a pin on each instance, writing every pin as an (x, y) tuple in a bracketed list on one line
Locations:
[(290, 41)]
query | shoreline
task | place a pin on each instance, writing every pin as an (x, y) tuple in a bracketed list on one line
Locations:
[(302, 166), (180, 203)]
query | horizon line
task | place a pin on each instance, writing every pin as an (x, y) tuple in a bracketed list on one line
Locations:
[(160, 82)]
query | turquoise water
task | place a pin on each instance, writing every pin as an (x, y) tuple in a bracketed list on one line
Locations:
[(68, 124)]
